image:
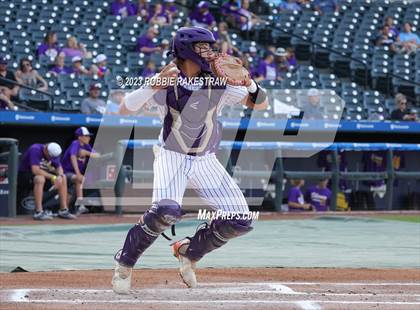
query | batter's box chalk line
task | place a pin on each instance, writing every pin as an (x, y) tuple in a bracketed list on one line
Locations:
[(305, 300)]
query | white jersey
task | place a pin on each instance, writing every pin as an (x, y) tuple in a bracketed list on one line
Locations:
[(173, 171), (186, 120)]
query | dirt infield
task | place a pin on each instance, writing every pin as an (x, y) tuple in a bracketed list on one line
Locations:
[(236, 288), (233, 288)]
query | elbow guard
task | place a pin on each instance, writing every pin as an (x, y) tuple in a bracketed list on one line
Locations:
[(259, 96)]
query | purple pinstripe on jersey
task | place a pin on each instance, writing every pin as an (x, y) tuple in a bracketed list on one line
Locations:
[(190, 125), (205, 174)]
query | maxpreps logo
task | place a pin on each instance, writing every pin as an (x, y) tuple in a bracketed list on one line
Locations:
[(19, 117)]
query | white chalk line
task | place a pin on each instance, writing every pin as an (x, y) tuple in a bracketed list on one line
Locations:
[(16, 292), (314, 283), (283, 289), (18, 296), (308, 305), (154, 301)]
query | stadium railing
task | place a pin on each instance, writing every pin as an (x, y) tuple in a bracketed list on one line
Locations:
[(279, 174), (50, 96)]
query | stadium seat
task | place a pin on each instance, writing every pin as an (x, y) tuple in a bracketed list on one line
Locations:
[(47, 14), (351, 32), (76, 97), (330, 81), (372, 99), (35, 100), (67, 82), (93, 14)]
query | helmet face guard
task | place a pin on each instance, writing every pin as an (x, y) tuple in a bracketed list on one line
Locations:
[(183, 45)]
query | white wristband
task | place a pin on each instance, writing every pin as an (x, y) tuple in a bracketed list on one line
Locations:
[(252, 88)]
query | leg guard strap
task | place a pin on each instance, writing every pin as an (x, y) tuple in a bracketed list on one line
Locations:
[(215, 235)]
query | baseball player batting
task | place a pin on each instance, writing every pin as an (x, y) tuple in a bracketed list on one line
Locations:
[(186, 155)]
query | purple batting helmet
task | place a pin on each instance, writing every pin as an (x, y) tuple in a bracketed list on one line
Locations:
[(182, 44)]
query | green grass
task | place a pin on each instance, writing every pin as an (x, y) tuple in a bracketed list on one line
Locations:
[(405, 218)]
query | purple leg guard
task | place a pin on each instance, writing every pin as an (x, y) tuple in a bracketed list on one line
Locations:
[(215, 235), (155, 221)]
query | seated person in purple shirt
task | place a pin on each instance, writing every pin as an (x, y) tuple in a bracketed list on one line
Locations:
[(150, 70), (122, 8), (326, 6), (230, 11), (142, 8), (49, 47), (296, 200), (283, 66), (254, 60), (59, 67), (146, 44), (385, 38), (266, 70), (393, 31), (170, 8), (319, 196), (201, 16), (246, 20), (289, 5), (73, 48), (75, 161), (41, 162), (159, 16), (78, 67)]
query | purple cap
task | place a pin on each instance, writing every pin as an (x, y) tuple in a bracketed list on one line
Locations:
[(94, 86), (203, 5), (82, 131)]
